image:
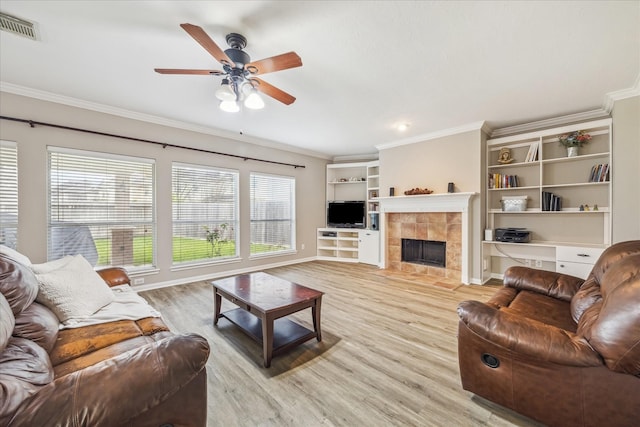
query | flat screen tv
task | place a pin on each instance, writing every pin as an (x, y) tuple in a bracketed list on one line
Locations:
[(346, 214)]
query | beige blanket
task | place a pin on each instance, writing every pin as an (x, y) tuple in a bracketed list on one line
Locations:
[(128, 305)]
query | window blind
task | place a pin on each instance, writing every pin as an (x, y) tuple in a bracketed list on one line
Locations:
[(205, 213), (8, 194), (102, 207), (272, 214)]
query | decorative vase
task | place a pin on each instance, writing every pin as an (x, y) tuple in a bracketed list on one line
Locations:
[(572, 151)]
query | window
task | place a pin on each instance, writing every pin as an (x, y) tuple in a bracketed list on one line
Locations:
[(8, 194), (273, 219), (101, 206), (205, 213)]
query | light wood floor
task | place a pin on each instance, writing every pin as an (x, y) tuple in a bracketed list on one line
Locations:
[(388, 355)]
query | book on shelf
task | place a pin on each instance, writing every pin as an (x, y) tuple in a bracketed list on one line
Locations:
[(498, 180), (532, 154), (604, 176), (551, 202), (599, 173)]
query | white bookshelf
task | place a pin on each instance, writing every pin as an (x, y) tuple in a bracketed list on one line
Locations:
[(572, 234)]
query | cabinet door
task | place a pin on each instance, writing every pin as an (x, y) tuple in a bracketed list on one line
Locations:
[(576, 261), (369, 247), (574, 269)]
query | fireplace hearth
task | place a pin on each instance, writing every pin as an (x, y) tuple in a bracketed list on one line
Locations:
[(424, 252)]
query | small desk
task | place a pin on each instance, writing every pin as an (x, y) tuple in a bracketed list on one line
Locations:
[(263, 300)]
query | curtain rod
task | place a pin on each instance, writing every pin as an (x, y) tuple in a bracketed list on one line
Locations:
[(33, 124)]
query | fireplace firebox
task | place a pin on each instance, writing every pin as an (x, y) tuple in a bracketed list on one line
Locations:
[(425, 252)]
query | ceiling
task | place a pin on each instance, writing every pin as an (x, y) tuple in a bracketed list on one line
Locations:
[(367, 65)]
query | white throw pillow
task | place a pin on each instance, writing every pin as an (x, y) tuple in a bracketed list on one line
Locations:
[(15, 255), (74, 290), (48, 267)]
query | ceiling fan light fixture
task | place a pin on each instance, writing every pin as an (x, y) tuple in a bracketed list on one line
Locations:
[(254, 101), (225, 91), (229, 106), (238, 85)]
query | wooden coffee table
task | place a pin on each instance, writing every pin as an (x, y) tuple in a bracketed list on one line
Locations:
[(263, 300)]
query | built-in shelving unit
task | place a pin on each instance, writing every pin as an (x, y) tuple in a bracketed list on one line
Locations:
[(337, 245), (346, 181), (580, 228), (352, 181), (355, 181), (347, 245), (373, 191)]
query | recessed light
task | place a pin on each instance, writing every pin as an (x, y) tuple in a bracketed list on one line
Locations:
[(403, 126)]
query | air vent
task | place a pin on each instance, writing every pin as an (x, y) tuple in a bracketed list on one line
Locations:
[(18, 26)]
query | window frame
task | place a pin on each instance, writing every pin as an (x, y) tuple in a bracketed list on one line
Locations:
[(292, 220), (109, 225), (9, 194), (236, 213)]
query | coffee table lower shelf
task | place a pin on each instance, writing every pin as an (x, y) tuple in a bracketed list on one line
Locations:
[(286, 333)]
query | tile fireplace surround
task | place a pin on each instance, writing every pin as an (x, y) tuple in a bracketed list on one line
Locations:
[(443, 217), (439, 226)]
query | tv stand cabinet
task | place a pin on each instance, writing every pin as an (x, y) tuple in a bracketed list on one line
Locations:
[(348, 245)]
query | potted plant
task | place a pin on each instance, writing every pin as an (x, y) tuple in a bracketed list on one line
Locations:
[(573, 141)]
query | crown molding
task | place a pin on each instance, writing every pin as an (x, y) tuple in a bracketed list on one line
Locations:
[(356, 157), (550, 123), (609, 100), (434, 135), (611, 97), (120, 112)]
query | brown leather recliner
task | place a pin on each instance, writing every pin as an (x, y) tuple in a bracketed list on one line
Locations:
[(556, 348), (123, 373)]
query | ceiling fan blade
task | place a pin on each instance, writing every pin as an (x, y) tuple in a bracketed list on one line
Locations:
[(181, 71), (205, 41), (272, 91), (275, 63)]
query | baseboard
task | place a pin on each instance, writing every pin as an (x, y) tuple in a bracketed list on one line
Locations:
[(219, 274)]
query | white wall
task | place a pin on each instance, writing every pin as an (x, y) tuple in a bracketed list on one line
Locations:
[(626, 169), (32, 166)]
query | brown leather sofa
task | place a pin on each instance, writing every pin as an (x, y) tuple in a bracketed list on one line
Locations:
[(123, 373), (556, 348)]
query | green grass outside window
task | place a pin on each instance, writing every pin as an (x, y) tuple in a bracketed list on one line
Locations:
[(184, 250)]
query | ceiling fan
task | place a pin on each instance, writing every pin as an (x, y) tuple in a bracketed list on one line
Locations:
[(239, 82)]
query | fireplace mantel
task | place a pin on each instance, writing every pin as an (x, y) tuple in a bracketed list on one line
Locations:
[(446, 202)]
